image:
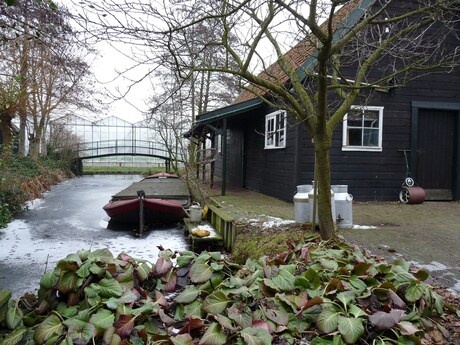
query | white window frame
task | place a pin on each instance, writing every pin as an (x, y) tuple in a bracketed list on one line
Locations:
[(275, 130), (378, 148), (219, 143)]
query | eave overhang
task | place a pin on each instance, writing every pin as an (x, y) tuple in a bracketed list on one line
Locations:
[(229, 111)]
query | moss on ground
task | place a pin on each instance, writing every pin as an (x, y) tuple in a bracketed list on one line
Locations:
[(255, 241)]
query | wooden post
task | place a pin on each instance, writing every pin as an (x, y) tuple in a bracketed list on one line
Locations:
[(224, 158), (141, 195)]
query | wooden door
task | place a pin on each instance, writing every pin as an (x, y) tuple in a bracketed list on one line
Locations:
[(435, 153)]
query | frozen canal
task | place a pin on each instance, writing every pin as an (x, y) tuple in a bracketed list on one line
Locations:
[(69, 218)]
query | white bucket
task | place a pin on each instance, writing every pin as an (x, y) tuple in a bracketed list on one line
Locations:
[(195, 212)]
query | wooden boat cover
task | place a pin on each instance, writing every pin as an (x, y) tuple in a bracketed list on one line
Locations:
[(158, 188)]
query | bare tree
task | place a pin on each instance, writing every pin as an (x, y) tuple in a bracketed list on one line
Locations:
[(391, 43), (47, 58), (8, 108)]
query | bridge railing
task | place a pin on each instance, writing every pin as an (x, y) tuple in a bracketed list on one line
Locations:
[(120, 147)]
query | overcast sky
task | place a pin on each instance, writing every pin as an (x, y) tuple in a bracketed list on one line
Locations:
[(106, 69)]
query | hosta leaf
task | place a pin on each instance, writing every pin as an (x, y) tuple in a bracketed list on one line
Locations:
[(284, 280), (185, 258), (407, 328), (94, 268), (242, 318), (83, 254), (400, 275), (358, 285), (146, 308), (422, 275), (163, 266), (66, 311), (256, 336), (346, 297), (215, 255), (142, 272), (182, 339), (336, 340), (81, 332), (403, 264), (14, 337), (166, 319), (71, 263), (415, 291), (5, 296), (84, 271), (215, 303), (101, 255), (384, 321), (328, 320), (188, 295), (213, 336), (356, 311), (200, 273), (216, 267), (49, 279), (13, 316), (193, 309), (124, 325), (170, 280), (224, 321), (50, 326), (67, 282), (191, 325), (277, 316), (397, 301), (103, 319), (361, 268), (128, 297), (330, 265), (109, 288), (111, 337), (351, 328)]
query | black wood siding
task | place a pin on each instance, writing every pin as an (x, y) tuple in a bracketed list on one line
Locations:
[(369, 175)]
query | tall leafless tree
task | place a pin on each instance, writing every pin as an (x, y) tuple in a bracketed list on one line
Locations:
[(393, 42), (43, 53)]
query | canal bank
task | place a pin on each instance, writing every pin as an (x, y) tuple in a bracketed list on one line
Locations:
[(68, 218)]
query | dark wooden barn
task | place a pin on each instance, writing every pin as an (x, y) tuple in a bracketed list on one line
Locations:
[(418, 124)]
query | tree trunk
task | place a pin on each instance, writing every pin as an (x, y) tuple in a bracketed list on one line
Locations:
[(323, 181), (34, 148), (6, 133)]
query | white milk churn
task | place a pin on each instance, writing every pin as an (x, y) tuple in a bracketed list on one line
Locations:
[(343, 206), (301, 204)]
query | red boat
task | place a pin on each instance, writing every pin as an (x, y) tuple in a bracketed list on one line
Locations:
[(159, 198)]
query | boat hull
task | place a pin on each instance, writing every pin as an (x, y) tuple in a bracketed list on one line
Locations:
[(155, 211)]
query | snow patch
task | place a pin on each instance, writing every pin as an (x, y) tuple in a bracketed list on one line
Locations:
[(34, 204), (363, 227)]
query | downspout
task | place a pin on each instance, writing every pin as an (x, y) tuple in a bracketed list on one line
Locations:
[(224, 157)]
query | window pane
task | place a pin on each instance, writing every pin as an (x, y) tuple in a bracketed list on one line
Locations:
[(371, 137), (355, 118), (354, 137), (371, 119)]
